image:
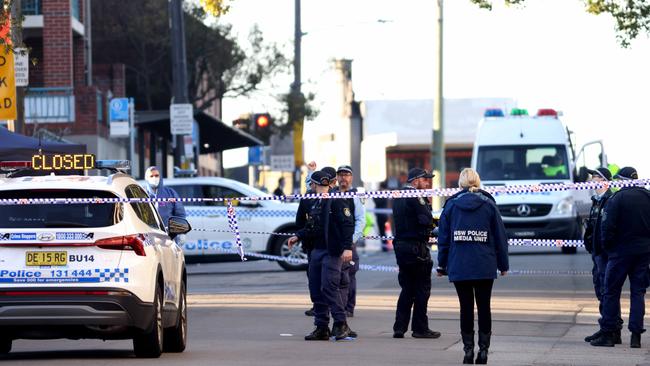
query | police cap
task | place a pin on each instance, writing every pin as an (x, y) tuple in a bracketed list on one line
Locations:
[(627, 173), (331, 172), (416, 173), (601, 172), (321, 178)]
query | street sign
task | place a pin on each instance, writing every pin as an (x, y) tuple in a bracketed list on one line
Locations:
[(283, 163), (21, 66), (256, 155), (181, 118), (119, 117), (7, 87), (119, 109)]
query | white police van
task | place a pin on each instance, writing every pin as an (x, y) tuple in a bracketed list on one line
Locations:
[(255, 220), (88, 269), (526, 150)]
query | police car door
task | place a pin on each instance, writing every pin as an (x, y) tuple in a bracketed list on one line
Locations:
[(221, 238), (161, 242), (196, 215)]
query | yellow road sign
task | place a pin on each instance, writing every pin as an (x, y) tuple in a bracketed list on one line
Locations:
[(7, 86)]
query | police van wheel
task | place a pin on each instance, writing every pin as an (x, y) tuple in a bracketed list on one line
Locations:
[(175, 338), (281, 249), (5, 345), (150, 344)]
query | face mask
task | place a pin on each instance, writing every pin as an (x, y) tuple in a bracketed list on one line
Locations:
[(153, 181)]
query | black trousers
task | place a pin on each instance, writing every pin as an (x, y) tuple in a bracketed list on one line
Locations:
[(415, 280), (467, 291)]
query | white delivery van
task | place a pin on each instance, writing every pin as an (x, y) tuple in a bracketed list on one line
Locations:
[(519, 149)]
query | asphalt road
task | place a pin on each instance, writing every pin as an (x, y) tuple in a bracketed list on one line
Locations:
[(252, 314)]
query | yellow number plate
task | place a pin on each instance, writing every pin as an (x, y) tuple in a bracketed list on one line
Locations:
[(46, 258)]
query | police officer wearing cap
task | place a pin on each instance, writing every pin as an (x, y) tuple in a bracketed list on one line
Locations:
[(413, 227), (594, 245), (330, 227), (625, 234), (331, 173), (302, 216), (344, 177)]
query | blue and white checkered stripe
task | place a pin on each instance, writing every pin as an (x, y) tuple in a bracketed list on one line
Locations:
[(113, 274)]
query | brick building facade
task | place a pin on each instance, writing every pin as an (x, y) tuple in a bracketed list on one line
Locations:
[(62, 101)]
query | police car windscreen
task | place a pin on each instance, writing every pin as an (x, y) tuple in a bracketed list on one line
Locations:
[(537, 162), (59, 215)]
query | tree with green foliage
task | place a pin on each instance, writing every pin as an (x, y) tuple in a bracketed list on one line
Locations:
[(632, 17), (136, 33)]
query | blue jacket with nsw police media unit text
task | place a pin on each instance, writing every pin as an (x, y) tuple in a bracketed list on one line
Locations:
[(472, 242)]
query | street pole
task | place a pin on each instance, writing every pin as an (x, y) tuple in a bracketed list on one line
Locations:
[(179, 70), (17, 40), (297, 101), (438, 146)]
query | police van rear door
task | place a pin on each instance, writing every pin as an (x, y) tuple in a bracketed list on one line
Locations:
[(50, 244)]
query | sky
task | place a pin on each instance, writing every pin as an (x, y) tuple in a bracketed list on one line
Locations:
[(547, 54)]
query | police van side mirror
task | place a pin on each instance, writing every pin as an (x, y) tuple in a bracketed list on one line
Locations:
[(177, 225), (582, 176)]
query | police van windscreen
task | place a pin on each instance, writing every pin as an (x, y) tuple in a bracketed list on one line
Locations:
[(537, 162), (35, 216)]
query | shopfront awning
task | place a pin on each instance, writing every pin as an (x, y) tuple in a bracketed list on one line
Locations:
[(214, 135)]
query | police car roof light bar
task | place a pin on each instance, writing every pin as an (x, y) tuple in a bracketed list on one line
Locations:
[(113, 164)]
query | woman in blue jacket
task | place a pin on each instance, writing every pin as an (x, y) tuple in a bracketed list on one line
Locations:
[(472, 245)]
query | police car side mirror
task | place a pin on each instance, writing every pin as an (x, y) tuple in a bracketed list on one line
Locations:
[(177, 225)]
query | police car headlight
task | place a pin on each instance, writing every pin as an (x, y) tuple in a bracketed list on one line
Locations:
[(565, 206)]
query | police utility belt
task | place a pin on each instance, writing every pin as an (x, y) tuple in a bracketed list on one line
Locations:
[(418, 248)]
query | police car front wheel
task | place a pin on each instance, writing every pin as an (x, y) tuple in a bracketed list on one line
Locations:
[(150, 343), (5, 345)]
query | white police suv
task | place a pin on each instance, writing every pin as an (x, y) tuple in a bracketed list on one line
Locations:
[(256, 219), (88, 269)]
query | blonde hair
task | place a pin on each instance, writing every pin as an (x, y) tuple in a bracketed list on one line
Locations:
[(469, 179)]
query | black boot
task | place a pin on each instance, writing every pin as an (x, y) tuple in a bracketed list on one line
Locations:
[(593, 336), (340, 331), (319, 334), (617, 337), (635, 340), (606, 339), (483, 347), (468, 347)]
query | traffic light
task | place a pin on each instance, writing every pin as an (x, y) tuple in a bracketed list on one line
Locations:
[(262, 126)]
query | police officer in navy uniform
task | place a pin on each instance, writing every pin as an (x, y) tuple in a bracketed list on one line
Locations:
[(413, 227), (344, 178), (330, 227), (302, 216), (625, 233), (594, 245)]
